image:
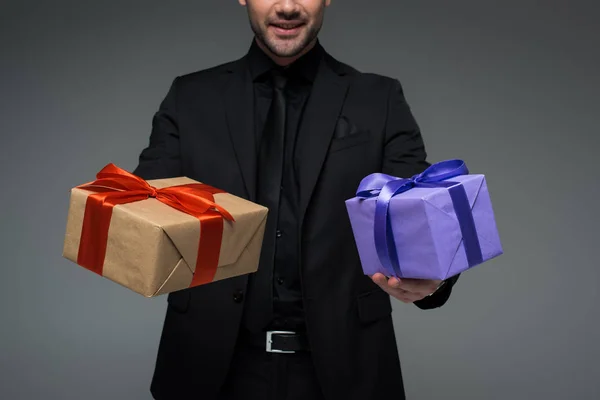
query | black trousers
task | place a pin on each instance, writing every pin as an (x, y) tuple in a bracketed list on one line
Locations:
[(257, 374)]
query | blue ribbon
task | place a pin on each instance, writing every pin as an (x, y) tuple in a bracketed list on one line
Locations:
[(384, 187)]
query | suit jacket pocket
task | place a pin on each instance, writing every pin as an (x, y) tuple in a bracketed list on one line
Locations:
[(338, 144), (179, 301), (373, 306)]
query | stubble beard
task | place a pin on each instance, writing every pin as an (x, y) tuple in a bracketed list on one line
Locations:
[(285, 48)]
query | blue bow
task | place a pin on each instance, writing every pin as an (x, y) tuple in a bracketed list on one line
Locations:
[(384, 187)]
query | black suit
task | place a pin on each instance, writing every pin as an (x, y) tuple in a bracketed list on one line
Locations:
[(353, 124)]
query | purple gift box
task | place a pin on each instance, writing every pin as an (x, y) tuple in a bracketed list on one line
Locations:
[(432, 226)]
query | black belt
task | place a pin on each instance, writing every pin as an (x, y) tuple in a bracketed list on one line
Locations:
[(279, 341)]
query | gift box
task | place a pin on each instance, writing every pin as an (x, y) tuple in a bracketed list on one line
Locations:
[(159, 236), (434, 225)]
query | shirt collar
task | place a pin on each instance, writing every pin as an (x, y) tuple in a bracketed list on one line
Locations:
[(305, 67)]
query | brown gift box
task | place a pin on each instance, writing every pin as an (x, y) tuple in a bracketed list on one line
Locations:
[(152, 248)]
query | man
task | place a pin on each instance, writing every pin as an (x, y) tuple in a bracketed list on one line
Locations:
[(289, 127)]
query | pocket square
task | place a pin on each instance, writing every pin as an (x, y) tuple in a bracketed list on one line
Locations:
[(345, 128)]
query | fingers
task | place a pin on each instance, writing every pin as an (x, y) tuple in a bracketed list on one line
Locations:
[(405, 285), (382, 281), (390, 286), (405, 290), (419, 286)]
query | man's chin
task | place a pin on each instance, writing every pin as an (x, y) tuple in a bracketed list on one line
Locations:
[(285, 48)]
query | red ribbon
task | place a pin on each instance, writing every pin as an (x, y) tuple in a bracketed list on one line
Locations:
[(115, 186)]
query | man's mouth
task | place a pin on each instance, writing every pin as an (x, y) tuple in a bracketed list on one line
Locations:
[(287, 27)]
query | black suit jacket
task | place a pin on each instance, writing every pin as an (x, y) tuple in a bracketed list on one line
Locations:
[(354, 124)]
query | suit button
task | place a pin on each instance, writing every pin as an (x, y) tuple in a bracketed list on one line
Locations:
[(238, 296), (278, 233), (280, 281)]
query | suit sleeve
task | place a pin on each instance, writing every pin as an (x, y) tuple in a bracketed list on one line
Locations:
[(405, 156), (162, 158)]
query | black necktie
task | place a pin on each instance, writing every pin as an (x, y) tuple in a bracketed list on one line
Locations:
[(269, 180), (270, 156)]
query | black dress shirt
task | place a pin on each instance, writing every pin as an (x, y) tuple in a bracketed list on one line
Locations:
[(287, 292)]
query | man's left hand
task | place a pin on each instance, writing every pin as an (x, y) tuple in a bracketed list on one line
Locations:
[(406, 290)]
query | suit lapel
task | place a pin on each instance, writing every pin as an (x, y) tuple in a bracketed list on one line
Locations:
[(319, 120), (321, 114), (239, 108)]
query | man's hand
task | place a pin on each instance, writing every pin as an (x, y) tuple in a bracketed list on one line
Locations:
[(406, 290)]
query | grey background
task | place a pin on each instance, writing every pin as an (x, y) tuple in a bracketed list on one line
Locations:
[(511, 87)]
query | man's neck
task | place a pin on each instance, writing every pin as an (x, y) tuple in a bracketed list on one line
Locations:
[(285, 61)]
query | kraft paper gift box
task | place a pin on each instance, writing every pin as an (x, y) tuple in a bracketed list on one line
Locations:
[(434, 225), (160, 236)]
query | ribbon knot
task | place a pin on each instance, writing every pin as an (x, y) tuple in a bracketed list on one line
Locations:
[(153, 192), (384, 187)]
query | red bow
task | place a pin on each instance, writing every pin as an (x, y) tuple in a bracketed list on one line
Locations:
[(115, 186)]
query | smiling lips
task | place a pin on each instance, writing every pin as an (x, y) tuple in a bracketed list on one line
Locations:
[(286, 28)]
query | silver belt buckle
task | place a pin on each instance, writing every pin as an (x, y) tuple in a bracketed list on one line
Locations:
[(270, 342)]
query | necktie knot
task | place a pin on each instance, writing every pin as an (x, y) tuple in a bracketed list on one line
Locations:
[(279, 79)]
